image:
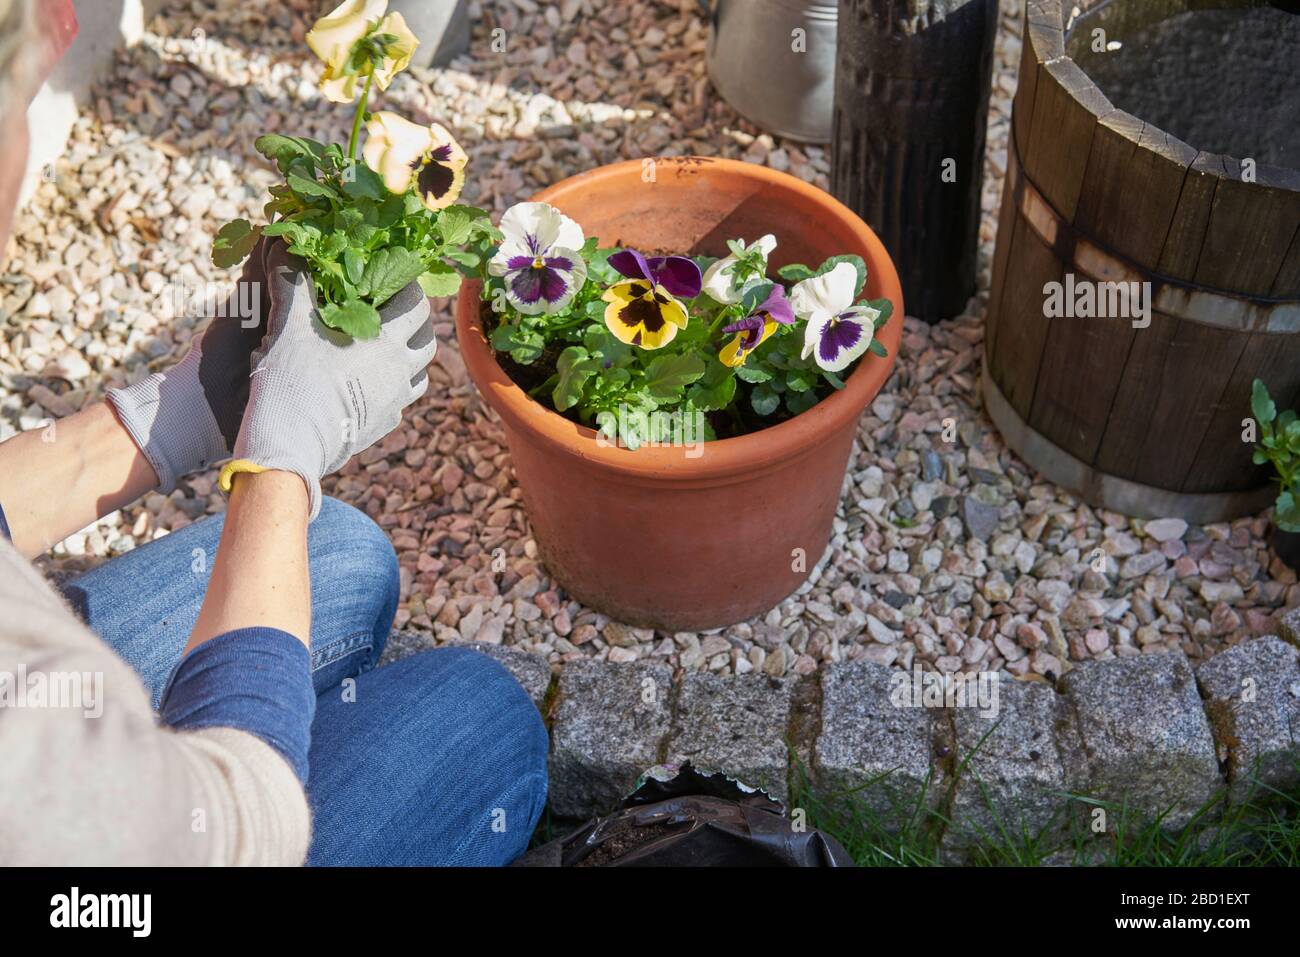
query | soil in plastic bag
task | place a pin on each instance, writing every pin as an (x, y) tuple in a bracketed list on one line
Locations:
[(691, 818)]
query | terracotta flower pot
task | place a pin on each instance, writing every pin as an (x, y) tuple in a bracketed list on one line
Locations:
[(681, 538)]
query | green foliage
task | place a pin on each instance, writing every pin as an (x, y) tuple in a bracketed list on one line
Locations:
[(362, 243), (233, 243), (603, 382), (1279, 444)]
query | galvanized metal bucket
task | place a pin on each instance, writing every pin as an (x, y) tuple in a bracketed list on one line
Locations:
[(774, 61)]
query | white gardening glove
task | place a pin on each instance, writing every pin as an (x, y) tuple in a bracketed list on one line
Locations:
[(187, 417), (317, 397)]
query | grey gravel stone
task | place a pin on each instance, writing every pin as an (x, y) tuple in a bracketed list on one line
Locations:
[(1252, 695), (737, 725), (1013, 783), (981, 520), (609, 723), (1146, 741), (868, 745)]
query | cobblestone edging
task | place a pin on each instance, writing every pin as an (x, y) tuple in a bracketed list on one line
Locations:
[(1143, 732)]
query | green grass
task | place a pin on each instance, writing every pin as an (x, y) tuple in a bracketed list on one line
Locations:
[(878, 829)]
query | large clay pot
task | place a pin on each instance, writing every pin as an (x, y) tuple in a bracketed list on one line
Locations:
[(675, 538)]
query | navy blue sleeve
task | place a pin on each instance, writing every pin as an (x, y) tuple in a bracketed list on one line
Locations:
[(254, 679), (4, 525)]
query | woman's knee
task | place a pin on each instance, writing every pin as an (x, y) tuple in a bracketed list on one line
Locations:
[(513, 762), (352, 556)]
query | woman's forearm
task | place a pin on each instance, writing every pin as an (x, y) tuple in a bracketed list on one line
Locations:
[(58, 479), (260, 578)]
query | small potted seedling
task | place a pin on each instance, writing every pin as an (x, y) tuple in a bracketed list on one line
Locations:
[(1279, 445), (366, 227)]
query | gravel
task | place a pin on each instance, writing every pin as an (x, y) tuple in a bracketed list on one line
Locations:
[(947, 553)]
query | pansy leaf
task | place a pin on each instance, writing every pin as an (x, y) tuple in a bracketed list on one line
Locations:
[(798, 402), (360, 181), (752, 372), (354, 264), (795, 272), (855, 261), (388, 271), (574, 368), (465, 259), (1261, 403), (524, 345), (305, 186), (333, 245), (454, 225), (799, 380), (233, 242), (716, 388), (666, 376), (1286, 513), (756, 296), (764, 400), (348, 218), (285, 150), (1293, 437), (600, 341), (878, 348), (358, 319), (439, 280)]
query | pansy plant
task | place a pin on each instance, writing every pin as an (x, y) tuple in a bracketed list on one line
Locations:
[(368, 226), (600, 332), (1279, 446)]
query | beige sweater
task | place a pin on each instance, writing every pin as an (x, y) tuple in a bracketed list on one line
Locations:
[(98, 781)]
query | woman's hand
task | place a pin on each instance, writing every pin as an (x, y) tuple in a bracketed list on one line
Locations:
[(187, 418), (60, 478), (318, 398)]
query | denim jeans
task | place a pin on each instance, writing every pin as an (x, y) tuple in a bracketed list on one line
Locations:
[(439, 758)]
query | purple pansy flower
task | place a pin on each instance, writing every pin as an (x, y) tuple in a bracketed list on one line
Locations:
[(539, 258), (755, 329), (678, 275), (645, 310)]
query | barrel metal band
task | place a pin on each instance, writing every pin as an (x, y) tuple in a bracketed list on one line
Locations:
[(1177, 298)]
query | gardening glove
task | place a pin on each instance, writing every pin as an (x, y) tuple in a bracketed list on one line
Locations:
[(319, 397), (187, 417)]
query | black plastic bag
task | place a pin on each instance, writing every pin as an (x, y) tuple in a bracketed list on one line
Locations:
[(691, 819)]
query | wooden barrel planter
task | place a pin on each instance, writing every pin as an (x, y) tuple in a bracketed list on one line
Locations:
[(1146, 417)]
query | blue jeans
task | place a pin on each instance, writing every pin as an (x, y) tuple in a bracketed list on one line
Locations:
[(439, 758)]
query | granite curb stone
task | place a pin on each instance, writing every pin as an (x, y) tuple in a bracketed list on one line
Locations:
[(1014, 778), (609, 724), (737, 725), (1288, 626), (1252, 696), (867, 745), (1145, 739)]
